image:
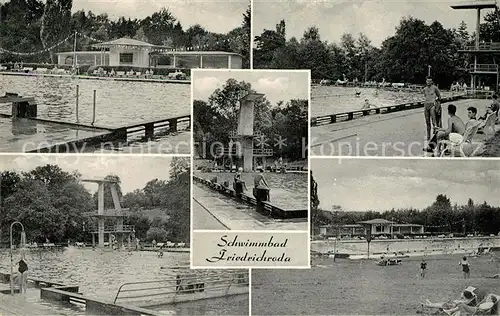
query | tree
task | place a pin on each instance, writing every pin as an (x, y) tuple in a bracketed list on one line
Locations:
[(178, 166), (56, 17), (314, 202), (156, 233)]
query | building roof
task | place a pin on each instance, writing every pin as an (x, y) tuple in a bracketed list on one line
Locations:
[(408, 225), (201, 52), (88, 52), (377, 221), (124, 42)]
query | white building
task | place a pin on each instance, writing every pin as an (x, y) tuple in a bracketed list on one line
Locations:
[(134, 53)]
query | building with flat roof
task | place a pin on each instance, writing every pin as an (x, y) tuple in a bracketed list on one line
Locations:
[(375, 227), (134, 53)]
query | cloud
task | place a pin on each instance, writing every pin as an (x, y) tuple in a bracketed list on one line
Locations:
[(364, 184), (376, 18), (213, 15), (273, 85), (203, 87)]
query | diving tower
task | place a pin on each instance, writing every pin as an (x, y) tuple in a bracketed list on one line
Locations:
[(103, 215), (244, 135), (481, 50)]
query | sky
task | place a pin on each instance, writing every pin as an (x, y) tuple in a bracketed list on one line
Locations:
[(134, 171), (381, 184), (375, 18), (276, 85), (219, 16)]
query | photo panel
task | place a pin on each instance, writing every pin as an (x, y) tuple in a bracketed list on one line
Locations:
[(121, 222), (394, 237), (250, 174), (101, 78), (379, 88)]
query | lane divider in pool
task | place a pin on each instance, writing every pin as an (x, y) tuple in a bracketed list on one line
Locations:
[(347, 116), (271, 210)]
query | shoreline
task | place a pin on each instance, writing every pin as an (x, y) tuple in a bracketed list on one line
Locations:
[(83, 77)]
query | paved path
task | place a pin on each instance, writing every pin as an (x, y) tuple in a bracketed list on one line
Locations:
[(392, 134), (224, 213)]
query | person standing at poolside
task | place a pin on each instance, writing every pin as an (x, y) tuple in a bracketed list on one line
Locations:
[(465, 267), (432, 106), (23, 275), (423, 268)]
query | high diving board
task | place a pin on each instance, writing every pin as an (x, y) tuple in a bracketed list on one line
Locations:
[(477, 4)]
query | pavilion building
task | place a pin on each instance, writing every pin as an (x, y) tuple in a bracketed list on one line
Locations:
[(134, 53)]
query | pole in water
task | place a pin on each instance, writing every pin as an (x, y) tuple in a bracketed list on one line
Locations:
[(77, 93), (93, 111)]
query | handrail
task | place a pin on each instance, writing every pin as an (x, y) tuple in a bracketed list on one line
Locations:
[(483, 46), (140, 124), (176, 282), (332, 118)]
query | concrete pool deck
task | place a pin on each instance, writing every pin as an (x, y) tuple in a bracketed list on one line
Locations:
[(392, 134), (225, 213), (24, 135)]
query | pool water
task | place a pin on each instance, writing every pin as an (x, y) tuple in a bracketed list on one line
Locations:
[(326, 100), (118, 103)]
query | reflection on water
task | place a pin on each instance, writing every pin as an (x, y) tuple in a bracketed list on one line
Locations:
[(327, 100), (289, 189), (117, 102), (100, 273)]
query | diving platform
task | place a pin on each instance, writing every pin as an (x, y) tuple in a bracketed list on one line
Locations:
[(483, 69), (476, 4), (122, 231), (483, 48)]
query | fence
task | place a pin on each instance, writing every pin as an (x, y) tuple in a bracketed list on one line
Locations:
[(187, 285)]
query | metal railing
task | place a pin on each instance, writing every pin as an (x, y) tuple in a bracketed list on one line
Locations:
[(495, 46), (483, 68), (218, 283), (347, 116), (115, 228)]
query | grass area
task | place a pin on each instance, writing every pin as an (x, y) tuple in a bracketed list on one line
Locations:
[(360, 287), (492, 146)]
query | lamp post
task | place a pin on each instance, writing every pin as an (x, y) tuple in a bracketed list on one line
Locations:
[(23, 236)]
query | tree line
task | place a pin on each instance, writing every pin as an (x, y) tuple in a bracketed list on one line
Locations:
[(439, 217), (51, 204), (215, 120), (33, 25), (402, 57)]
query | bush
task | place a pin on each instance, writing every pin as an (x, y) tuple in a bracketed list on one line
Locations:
[(156, 233)]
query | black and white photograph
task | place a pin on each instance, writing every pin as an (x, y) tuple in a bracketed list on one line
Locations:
[(87, 76), (104, 235), (390, 78), (250, 150), (394, 237)]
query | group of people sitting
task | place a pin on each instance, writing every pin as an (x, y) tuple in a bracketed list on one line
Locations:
[(472, 302), (457, 129)]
